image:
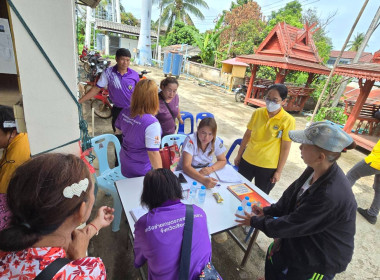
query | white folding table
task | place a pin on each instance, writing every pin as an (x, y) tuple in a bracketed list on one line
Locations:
[(220, 216)]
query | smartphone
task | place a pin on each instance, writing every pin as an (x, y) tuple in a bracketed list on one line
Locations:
[(182, 178)]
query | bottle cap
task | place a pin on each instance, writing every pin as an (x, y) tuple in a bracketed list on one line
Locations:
[(194, 183), (240, 208), (247, 197), (203, 187), (249, 204)]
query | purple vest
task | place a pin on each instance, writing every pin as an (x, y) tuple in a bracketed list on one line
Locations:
[(165, 117), (158, 240), (134, 158)]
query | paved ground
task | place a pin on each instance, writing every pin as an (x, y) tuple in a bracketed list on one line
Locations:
[(232, 117)]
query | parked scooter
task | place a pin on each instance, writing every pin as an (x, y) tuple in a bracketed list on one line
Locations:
[(92, 56), (240, 93), (83, 56), (97, 66)]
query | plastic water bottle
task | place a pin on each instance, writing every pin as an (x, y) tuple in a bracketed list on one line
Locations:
[(240, 211), (244, 202), (193, 190), (248, 207), (202, 195)]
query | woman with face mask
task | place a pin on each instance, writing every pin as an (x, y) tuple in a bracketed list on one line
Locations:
[(266, 143)]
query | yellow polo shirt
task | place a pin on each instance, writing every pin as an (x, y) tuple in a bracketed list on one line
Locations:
[(264, 146), (18, 152), (373, 159)]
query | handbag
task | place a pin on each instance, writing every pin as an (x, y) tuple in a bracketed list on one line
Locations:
[(209, 272), (51, 270), (170, 157)]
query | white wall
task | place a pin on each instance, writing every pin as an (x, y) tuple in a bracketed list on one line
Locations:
[(51, 115), (128, 43)]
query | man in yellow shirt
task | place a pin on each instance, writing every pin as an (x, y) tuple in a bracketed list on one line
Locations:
[(367, 167), (266, 143), (15, 152)]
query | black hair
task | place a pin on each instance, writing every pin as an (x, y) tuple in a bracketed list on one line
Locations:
[(168, 80), (160, 185), (123, 52), (36, 201), (281, 89), (6, 114)]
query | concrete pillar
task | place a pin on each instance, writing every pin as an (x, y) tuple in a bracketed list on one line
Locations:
[(144, 56), (106, 44), (117, 11), (87, 40)]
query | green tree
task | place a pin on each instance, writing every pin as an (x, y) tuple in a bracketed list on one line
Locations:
[(180, 10), (181, 34), (291, 14), (128, 18), (355, 44), (208, 42)]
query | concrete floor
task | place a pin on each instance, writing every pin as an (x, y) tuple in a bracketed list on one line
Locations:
[(232, 117)]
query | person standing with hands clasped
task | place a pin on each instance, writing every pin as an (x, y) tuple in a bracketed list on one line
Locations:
[(50, 196), (266, 143), (313, 222), (198, 152)]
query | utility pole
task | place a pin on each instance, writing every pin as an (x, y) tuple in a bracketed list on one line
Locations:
[(144, 48), (158, 56), (374, 24)]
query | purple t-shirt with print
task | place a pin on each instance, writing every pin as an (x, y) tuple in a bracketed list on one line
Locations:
[(140, 135), (165, 117), (158, 241), (120, 87)]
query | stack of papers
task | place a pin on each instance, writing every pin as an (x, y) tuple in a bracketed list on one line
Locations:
[(228, 175), (138, 212)]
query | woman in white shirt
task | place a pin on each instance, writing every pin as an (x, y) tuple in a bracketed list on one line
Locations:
[(198, 152)]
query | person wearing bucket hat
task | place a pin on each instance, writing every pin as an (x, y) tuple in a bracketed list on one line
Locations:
[(313, 222)]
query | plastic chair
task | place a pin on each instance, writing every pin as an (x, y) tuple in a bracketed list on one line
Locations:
[(232, 148), (107, 176), (201, 116), (169, 139), (181, 127)]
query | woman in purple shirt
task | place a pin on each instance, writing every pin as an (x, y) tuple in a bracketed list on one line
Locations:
[(141, 131), (159, 233), (169, 106)]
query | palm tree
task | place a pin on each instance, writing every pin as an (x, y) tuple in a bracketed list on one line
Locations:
[(355, 44), (180, 10)]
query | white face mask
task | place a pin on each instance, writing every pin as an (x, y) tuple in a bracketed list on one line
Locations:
[(272, 106)]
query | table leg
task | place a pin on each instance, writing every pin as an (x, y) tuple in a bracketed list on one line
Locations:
[(249, 248)]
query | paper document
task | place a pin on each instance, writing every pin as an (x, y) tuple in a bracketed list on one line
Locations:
[(138, 212), (228, 175)]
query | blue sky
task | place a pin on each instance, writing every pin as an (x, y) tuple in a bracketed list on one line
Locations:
[(347, 11)]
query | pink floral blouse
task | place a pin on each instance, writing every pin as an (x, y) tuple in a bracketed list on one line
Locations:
[(26, 264)]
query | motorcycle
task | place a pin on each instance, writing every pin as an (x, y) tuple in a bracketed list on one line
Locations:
[(83, 56), (240, 93), (97, 66), (92, 56)]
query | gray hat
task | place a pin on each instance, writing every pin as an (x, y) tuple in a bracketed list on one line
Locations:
[(326, 135)]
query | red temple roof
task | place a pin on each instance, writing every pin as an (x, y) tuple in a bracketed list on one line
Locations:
[(365, 57), (288, 47)]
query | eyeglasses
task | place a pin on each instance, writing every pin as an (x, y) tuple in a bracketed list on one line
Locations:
[(275, 100)]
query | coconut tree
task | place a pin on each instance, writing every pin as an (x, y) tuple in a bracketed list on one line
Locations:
[(180, 10), (355, 44)]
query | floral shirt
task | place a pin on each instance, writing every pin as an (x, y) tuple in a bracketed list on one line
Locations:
[(27, 264)]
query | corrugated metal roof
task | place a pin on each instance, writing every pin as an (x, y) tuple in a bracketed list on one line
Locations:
[(120, 28), (365, 57)]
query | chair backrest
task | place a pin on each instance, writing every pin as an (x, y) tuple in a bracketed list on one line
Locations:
[(232, 148), (169, 139), (202, 115), (100, 144), (181, 127)]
